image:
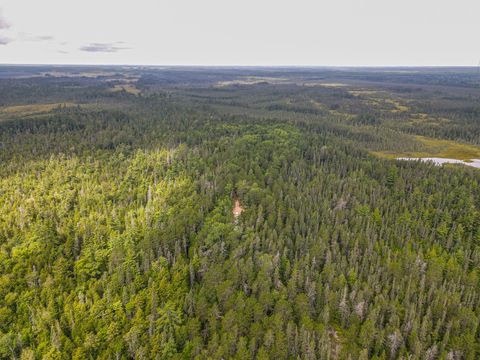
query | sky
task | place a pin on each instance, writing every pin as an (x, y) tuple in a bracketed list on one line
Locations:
[(242, 32)]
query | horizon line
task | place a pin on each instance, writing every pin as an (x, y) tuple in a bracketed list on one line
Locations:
[(243, 65)]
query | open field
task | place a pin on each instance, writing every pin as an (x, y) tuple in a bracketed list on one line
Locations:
[(436, 148), (252, 80), (88, 74), (128, 87), (23, 110)]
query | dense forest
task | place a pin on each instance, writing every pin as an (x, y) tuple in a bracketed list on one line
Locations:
[(119, 239)]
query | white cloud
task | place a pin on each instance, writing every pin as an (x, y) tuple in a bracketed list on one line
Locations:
[(4, 24), (4, 40)]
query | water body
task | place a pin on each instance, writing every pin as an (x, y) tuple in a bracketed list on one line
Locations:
[(440, 161)]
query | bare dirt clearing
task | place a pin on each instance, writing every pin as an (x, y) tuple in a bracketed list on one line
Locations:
[(237, 209)]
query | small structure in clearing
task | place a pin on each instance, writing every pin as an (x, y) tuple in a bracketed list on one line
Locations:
[(237, 209)]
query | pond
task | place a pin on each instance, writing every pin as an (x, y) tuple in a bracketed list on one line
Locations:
[(440, 161)]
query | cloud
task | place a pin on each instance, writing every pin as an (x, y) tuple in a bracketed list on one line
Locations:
[(4, 24), (22, 36), (103, 47), (5, 40), (42, 38)]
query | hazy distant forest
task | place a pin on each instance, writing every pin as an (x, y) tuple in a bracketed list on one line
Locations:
[(238, 213)]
